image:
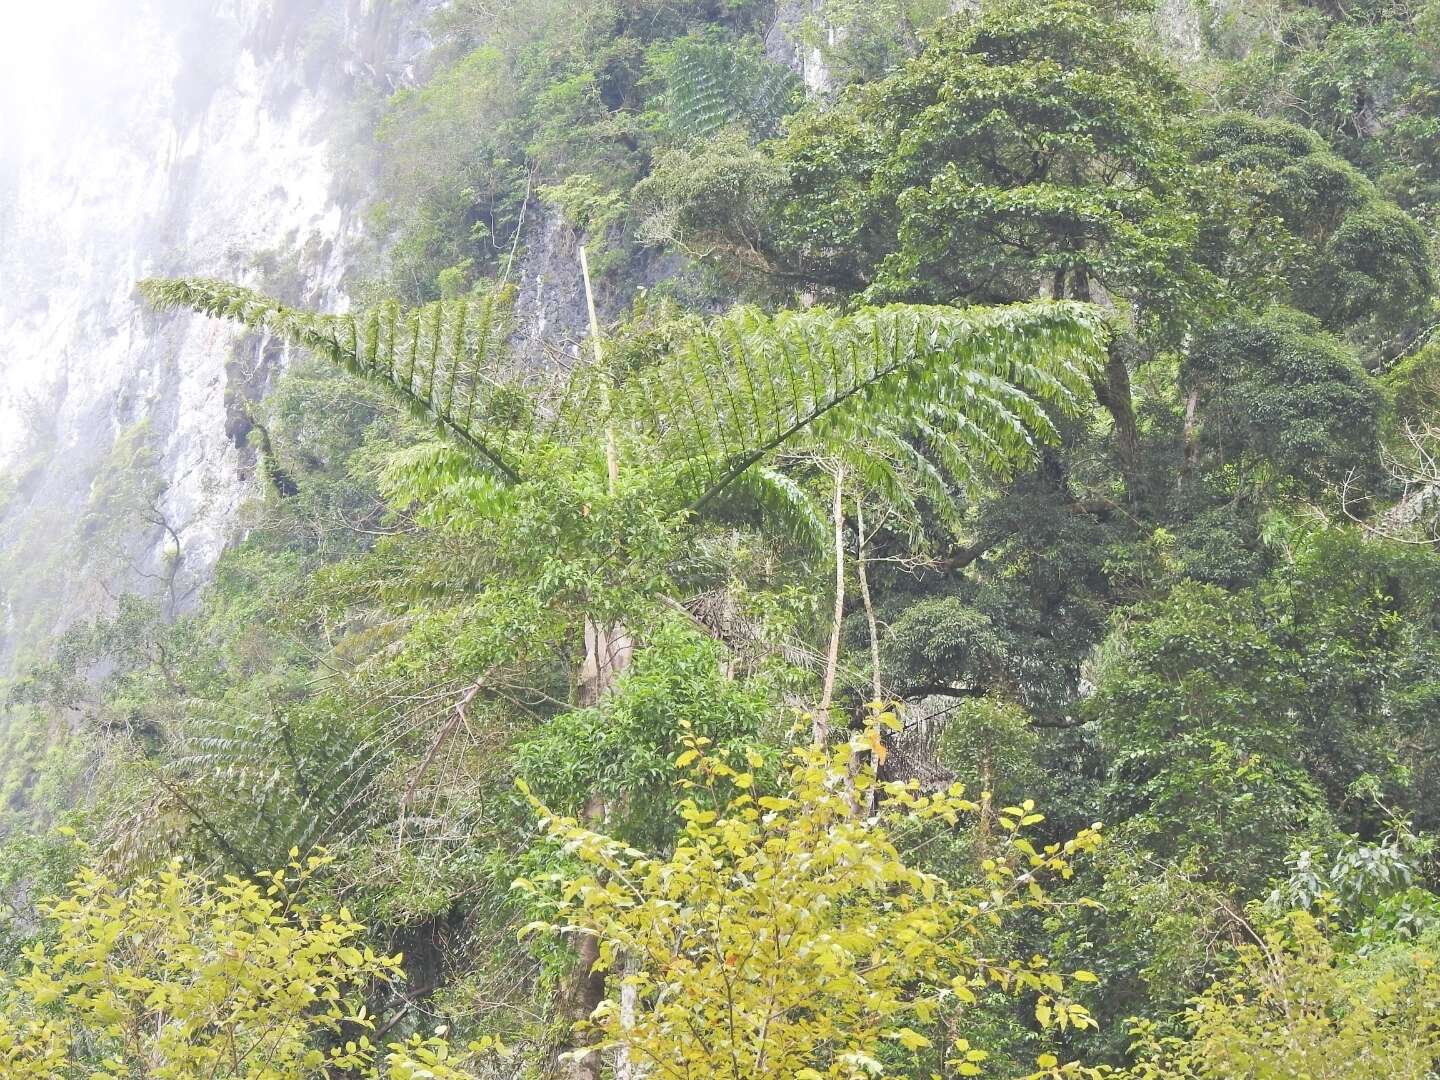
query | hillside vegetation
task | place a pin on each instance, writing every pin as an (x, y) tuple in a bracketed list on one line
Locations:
[(970, 606)]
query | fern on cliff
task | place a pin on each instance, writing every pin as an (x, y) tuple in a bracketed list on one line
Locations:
[(709, 85)]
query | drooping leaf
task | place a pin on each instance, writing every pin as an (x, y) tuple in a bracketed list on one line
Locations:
[(749, 384), (442, 360)]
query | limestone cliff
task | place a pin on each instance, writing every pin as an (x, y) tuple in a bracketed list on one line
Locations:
[(144, 137)]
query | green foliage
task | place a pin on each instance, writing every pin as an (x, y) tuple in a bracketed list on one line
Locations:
[(1313, 228), (786, 936), (451, 178), (990, 746), (710, 198), (1133, 611), (1369, 891), (1363, 77), (711, 84), (562, 538), (1021, 618), (860, 41), (1032, 143), (629, 741), (1416, 383), (1237, 720), (1279, 394), (972, 383), (32, 866), (584, 203), (435, 359), (1202, 738), (178, 976), (525, 96), (1293, 1006), (943, 640), (730, 393)]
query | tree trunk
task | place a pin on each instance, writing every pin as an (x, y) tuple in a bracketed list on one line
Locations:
[(821, 720), (625, 1067), (1112, 390), (876, 689), (1191, 447), (582, 993), (608, 652)]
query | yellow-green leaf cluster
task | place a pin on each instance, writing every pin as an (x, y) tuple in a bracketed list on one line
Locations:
[(177, 977), (1293, 1006), (787, 936)]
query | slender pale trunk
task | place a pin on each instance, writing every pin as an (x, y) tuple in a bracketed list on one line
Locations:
[(625, 1067), (873, 626), (877, 694), (608, 652), (608, 649), (821, 723), (612, 461)]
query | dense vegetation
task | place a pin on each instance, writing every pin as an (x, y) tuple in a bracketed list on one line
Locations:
[(1007, 644)]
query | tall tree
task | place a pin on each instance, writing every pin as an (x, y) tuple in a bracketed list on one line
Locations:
[(1304, 227), (1030, 150)]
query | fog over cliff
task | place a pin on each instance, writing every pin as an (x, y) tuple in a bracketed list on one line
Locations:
[(145, 137)]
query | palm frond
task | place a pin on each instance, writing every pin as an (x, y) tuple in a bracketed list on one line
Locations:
[(441, 360), (972, 386), (786, 505), (296, 774), (750, 384)]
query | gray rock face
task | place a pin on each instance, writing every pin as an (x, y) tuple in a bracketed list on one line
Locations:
[(550, 310), (785, 43), (159, 137)]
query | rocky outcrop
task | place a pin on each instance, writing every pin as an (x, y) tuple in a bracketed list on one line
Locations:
[(154, 138), (786, 43), (551, 316)]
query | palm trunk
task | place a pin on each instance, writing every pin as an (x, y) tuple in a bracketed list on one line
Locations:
[(870, 620), (873, 626)]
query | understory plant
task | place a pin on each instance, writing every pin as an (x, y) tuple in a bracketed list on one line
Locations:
[(787, 936)]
